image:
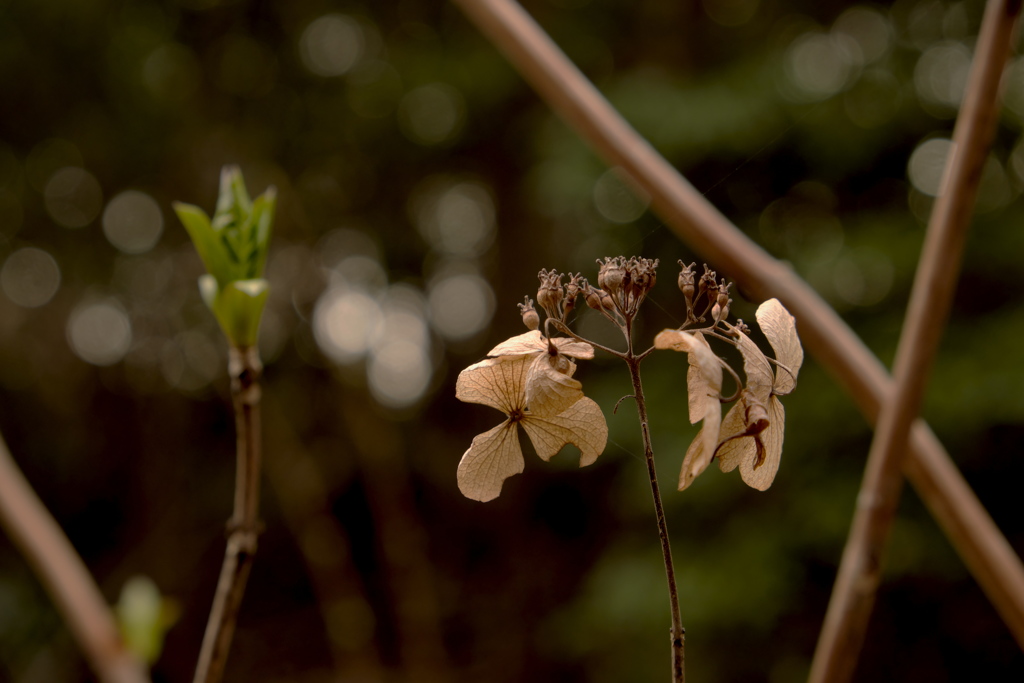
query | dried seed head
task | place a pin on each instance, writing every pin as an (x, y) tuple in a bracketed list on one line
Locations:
[(686, 279), (593, 296), (549, 295), (572, 290), (723, 293), (529, 313), (612, 274)]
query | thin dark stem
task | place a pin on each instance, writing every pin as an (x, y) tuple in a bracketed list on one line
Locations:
[(951, 501), (860, 570), (243, 528), (678, 634)]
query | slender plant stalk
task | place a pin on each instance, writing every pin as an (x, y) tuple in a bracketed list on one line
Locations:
[(243, 528), (64, 576), (678, 633), (853, 595), (686, 212)]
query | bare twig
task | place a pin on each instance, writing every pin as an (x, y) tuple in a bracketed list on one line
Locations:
[(853, 596), (53, 559), (972, 531), (243, 528), (678, 633)]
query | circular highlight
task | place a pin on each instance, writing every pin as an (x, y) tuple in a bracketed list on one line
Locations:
[(133, 222), (99, 333), (30, 277), (73, 197), (331, 45)]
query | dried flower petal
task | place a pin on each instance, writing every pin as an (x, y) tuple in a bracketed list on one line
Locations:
[(493, 457), (533, 342), (582, 425), (704, 389), (562, 415), (780, 329), (704, 378), (494, 382), (550, 388)]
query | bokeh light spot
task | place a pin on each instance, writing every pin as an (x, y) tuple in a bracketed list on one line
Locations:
[(927, 165), (399, 372), (431, 114), (331, 45), (869, 28), (863, 277), (30, 277), (940, 75), (618, 198), (133, 222), (456, 218), (820, 65), (461, 305), (73, 197), (100, 332), (345, 322)]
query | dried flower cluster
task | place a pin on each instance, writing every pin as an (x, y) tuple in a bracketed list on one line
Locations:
[(529, 377)]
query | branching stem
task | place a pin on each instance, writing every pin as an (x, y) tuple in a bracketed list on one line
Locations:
[(243, 528)]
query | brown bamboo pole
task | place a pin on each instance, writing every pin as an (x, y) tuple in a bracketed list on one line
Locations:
[(853, 595), (977, 539)]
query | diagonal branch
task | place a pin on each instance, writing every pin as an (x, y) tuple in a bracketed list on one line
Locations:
[(77, 597), (853, 596), (977, 539)]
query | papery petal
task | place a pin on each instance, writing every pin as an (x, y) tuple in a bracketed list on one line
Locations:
[(704, 377), (523, 345), (583, 425), (734, 451), (761, 476), (756, 366), (568, 346), (548, 391), (701, 451), (493, 457), (496, 382), (780, 329), (534, 342)]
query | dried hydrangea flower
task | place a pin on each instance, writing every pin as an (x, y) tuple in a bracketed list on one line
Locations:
[(535, 389)]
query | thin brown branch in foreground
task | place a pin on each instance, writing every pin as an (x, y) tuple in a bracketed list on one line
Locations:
[(977, 539), (53, 559), (853, 596), (243, 529)]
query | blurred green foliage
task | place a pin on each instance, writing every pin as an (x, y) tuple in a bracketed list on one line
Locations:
[(421, 185)]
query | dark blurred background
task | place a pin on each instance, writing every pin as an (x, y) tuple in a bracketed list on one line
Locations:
[(422, 185)]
